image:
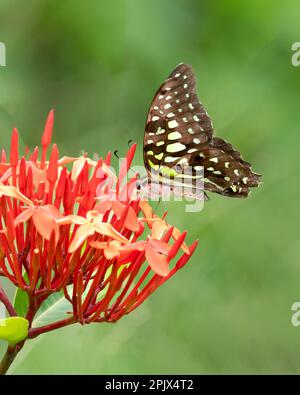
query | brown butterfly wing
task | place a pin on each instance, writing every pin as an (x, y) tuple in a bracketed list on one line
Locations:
[(179, 132), (175, 116), (225, 171)]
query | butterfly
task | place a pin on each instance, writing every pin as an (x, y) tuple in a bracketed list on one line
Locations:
[(179, 136)]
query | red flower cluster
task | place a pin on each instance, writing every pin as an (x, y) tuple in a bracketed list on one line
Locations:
[(71, 225)]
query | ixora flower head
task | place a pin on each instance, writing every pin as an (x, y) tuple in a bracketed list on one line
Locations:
[(73, 236)]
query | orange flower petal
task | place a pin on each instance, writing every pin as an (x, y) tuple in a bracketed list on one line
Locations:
[(110, 252), (159, 246), (93, 215), (14, 193), (44, 222), (100, 245), (157, 262), (52, 210), (108, 230), (24, 216), (4, 167), (103, 206), (38, 175), (65, 160), (158, 229), (118, 208), (146, 209), (138, 246), (82, 233), (131, 221), (71, 219)]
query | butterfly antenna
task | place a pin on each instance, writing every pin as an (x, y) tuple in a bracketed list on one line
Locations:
[(116, 154)]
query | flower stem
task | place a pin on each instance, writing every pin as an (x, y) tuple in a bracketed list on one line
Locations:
[(13, 350), (7, 303), (34, 332), (9, 356)]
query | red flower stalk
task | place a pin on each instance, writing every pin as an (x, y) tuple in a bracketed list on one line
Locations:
[(70, 225)]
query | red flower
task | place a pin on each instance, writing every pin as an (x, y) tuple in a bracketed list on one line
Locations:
[(71, 225)]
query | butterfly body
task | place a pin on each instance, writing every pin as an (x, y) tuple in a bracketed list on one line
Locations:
[(180, 148)]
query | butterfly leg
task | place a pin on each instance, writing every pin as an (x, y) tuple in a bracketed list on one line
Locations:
[(157, 205)]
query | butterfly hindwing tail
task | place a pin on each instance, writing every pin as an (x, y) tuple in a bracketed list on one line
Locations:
[(225, 171)]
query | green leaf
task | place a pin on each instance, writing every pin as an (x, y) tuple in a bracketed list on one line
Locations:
[(21, 302), (55, 308), (13, 329)]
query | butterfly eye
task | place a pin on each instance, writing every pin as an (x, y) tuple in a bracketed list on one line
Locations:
[(138, 185)]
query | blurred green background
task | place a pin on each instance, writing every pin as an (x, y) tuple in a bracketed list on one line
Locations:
[(98, 63)]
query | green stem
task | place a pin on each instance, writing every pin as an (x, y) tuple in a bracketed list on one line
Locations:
[(11, 353), (13, 350)]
